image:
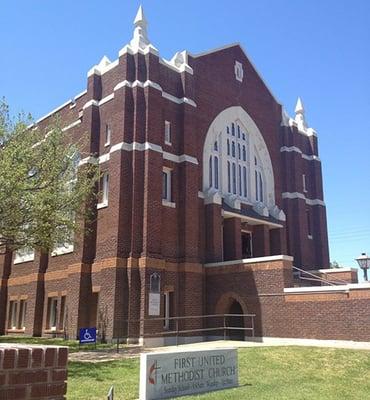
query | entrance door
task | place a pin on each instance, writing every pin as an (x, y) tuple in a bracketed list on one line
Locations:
[(247, 245), (236, 322)]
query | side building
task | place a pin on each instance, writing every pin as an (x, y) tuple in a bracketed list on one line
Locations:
[(210, 194)]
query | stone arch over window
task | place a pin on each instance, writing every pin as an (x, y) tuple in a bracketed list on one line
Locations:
[(236, 161)]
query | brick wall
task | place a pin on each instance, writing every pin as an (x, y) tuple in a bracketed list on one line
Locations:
[(33, 372)]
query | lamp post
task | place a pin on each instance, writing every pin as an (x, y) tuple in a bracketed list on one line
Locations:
[(364, 263)]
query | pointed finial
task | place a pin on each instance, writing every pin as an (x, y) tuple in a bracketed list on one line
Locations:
[(140, 19), (299, 115), (299, 109)]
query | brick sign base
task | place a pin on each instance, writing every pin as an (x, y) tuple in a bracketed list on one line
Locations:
[(33, 372)]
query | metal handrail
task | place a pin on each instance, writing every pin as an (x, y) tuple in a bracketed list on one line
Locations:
[(178, 332)]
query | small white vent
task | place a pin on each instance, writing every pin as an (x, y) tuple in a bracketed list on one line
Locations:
[(239, 73)]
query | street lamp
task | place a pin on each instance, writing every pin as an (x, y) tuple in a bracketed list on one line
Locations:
[(364, 263)]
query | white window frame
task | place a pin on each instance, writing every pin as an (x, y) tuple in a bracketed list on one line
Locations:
[(105, 191), (167, 133), (22, 314), (304, 182), (108, 134), (53, 300), (24, 254), (13, 315), (167, 199)]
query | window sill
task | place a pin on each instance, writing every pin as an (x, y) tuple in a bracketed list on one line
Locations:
[(107, 144), (53, 330), (102, 205), (167, 203), (15, 330), (24, 259), (167, 143), (309, 237), (62, 250)]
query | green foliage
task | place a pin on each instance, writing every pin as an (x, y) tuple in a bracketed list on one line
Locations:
[(43, 193)]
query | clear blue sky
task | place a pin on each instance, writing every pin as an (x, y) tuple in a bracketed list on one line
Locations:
[(319, 50)]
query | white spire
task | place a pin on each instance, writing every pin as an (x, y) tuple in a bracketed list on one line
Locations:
[(140, 40), (140, 19), (299, 109), (299, 115)]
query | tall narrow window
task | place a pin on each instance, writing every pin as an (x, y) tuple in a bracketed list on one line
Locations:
[(167, 132), (52, 312), (22, 314), (244, 154), (240, 179), (260, 186), (228, 177), (245, 181), (104, 190), (210, 172), (309, 224), (216, 172), (108, 133), (228, 147), (12, 315), (304, 183), (234, 178), (62, 313), (166, 184), (233, 149), (238, 132), (233, 129), (239, 152)]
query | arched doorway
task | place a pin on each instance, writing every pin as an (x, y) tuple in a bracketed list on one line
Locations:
[(236, 321)]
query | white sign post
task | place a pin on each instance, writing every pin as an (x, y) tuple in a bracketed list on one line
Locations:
[(164, 375)]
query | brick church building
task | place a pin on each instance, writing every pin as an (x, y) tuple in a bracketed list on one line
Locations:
[(212, 196)]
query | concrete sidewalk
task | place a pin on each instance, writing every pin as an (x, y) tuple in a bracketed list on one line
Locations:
[(135, 351)]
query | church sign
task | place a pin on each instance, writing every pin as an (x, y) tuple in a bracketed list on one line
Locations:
[(165, 375)]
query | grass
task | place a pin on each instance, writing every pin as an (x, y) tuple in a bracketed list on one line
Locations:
[(72, 344), (264, 373)]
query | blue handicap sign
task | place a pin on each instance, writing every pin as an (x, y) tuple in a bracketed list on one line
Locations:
[(87, 335)]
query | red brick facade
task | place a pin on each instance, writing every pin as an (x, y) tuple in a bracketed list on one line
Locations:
[(105, 280)]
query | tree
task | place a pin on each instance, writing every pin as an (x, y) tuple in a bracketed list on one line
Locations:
[(334, 264), (43, 191)]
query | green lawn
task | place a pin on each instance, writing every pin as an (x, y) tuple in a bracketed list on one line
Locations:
[(274, 373)]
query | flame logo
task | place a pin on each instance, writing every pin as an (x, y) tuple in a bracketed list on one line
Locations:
[(152, 369)]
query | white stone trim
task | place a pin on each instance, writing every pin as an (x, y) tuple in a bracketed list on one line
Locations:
[(167, 203), (72, 125), (323, 289), (155, 85), (302, 130), (251, 220), (297, 195), (63, 250), (335, 270), (89, 160), (250, 261), (53, 111), (297, 150), (80, 95), (135, 146), (18, 259), (106, 99), (102, 205)]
